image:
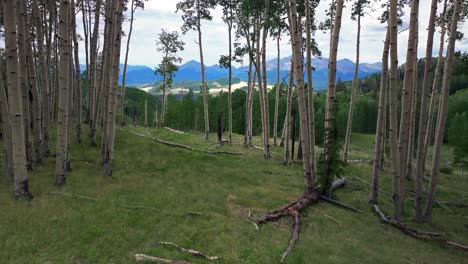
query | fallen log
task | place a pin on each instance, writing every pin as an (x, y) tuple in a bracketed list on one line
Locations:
[(422, 235), (175, 130), (143, 257), (176, 145), (189, 251), (339, 204), (454, 204)]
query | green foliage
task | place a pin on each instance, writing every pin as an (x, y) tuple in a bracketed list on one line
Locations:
[(169, 45)]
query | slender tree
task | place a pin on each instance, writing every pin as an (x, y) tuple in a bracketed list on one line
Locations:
[(20, 174), (357, 13), (442, 117), (170, 45), (6, 129), (194, 11)]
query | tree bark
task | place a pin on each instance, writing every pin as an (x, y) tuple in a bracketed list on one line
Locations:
[(21, 186), (264, 91), (6, 128), (310, 89), (230, 78), (349, 127), (275, 125), (380, 132), (442, 118), (93, 106), (406, 101), (64, 90), (309, 178), (331, 94), (124, 77), (202, 65), (77, 76), (287, 119), (393, 133)]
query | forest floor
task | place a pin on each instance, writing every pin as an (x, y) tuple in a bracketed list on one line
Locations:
[(203, 202)]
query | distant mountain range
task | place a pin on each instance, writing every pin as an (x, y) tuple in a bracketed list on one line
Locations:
[(190, 71)]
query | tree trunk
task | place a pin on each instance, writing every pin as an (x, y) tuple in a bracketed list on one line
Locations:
[(380, 132), (442, 118), (287, 119), (77, 75), (278, 85), (6, 128), (266, 111), (21, 186), (86, 31), (164, 99), (435, 88), (349, 128), (24, 82), (230, 82), (124, 77), (146, 113), (64, 90), (397, 192), (248, 100), (331, 95), (309, 178), (311, 117), (93, 106), (203, 88), (412, 127), (406, 101), (114, 79)]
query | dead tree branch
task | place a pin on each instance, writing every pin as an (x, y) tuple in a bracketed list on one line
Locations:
[(175, 130), (189, 251), (339, 204), (71, 195), (143, 257)]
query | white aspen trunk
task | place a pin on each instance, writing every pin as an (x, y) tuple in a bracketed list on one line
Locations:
[(93, 106), (77, 83), (146, 113), (275, 125), (311, 117), (230, 80), (406, 101), (287, 119), (393, 133), (124, 77), (64, 90), (349, 127), (331, 93), (380, 131), (442, 117), (266, 111), (309, 179), (202, 65), (6, 128)]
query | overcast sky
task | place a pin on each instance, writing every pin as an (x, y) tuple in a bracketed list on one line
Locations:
[(161, 14)]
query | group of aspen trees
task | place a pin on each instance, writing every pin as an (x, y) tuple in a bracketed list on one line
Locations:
[(44, 84)]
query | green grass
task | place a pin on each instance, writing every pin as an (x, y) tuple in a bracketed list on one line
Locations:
[(166, 183)]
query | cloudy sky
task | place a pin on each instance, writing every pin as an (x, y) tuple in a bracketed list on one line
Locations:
[(161, 14)]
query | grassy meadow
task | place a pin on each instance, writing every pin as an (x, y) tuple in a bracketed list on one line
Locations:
[(202, 201)]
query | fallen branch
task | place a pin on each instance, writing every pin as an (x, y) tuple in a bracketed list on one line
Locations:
[(338, 183), (176, 145), (454, 204), (339, 204), (71, 195), (416, 233), (189, 251), (292, 209), (175, 130), (143, 257), (332, 218), (360, 161)]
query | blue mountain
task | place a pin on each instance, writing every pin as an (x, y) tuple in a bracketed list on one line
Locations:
[(191, 71)]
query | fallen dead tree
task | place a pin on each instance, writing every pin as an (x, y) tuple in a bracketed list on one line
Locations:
[(437, 237), (294, 209), (143, 257), (71, 195), (176, 145), (175, 130), (189, 251)]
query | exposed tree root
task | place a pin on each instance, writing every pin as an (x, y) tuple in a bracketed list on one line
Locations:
[(176, 145), (175, 130), (339, 204), (71, 195), (294, 235), (143, 257), (415, 233), (189, 251)]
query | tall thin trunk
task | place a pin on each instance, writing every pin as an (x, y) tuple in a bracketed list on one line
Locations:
[(44, 78), (114, 78), (412, 127), (6, 128), (124, 77), (164, 97), (331, 96), (442, 118), (20, 173), (278, 85), (264, 91), (349, 128), (393, 134), (248, 99), (287, 120), (258, 72), (25, 88), (93, 106), (202, 65), (310, 91), (309, 179), (64, 90), (146, 113), (86, 31), (380, 131), (407, 91), (435, 87), (230, 78), (77, 75)]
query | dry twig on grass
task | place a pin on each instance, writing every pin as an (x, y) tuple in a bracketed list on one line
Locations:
[(143, 257), (189, 251)]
